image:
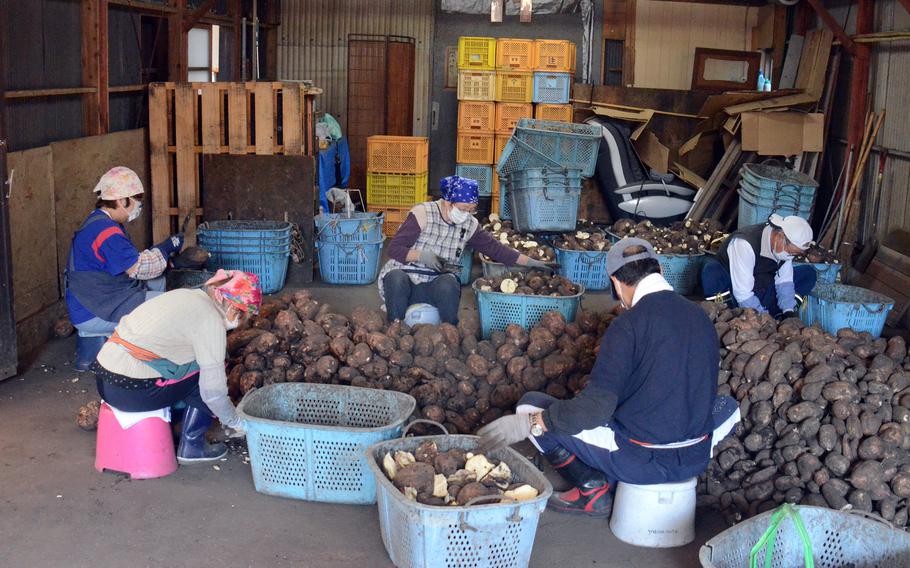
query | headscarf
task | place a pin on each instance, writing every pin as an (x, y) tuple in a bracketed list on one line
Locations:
[(457, 189), (119, 183), (241, 290)]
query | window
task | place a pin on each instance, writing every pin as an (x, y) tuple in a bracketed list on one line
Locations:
[(203, 54)]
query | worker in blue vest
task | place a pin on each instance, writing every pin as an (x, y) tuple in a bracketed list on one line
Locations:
[(755, 266), (649, 413), (107, 277)]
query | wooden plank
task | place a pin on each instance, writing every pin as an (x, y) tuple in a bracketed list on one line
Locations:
[(706, 194), (290, 110), (187, 161), (31, 204), (211, 119), (90, 71), (791, 62), (237, 122), (265, 119), (160, 162)]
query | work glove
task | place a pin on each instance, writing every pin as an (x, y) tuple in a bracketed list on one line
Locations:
[(432, 260), (170, 245), (504, 431), (532, 263)]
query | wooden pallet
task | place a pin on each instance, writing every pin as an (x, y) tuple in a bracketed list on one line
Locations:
[(187, 120)]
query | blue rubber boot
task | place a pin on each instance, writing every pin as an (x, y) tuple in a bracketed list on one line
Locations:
[(87, 349), (193, 447)]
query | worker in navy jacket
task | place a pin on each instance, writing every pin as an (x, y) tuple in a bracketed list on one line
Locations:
[(755, 264), (649, 413), (107, 277)]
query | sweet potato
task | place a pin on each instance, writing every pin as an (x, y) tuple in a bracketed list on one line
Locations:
[(360, 355), (533, 379), (554, 322), (458, 369), (371, 320), (507, 352), (866, 475), (477, 365), (406, 343), (418, 475), (515, 367)]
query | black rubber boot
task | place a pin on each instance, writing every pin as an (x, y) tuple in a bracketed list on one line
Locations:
[(87, 349), (193, 447), (590, 494)]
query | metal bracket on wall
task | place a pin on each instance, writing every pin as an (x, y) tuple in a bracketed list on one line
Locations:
[(9, 183)]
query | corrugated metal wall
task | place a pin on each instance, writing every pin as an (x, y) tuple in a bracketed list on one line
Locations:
[(313, 37), (890, 86), (667, 33)]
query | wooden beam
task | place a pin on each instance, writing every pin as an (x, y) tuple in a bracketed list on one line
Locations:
[(236, 62), (177, 43), (201, 11), (833, 25), (147, 7), (129, 88), (905, 4), (96, 115), (35, 93)]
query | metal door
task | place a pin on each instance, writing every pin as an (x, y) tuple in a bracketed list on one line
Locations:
[(7, 318)]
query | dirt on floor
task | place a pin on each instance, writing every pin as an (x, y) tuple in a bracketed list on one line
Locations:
[(56, 510)]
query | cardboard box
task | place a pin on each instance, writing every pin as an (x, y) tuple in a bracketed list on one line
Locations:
[(782, 133)]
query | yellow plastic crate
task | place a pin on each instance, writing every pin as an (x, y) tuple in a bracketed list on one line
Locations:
[(554, 55), (397, 190), (514, 86), (477, 53), (507, 115), (394, 217), (398, 154), (494, 207), (554, 113), (476, 116), (476, 85), (515, 54), (474, 148), (499, 145)]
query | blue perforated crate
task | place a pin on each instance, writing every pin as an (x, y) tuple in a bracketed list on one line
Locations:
[(552, 88), (825, 272), (505, 203), (491, 533), (483, 175), (467, 263), (358, 228), (753, 212), (498, 309), (544, 200), (681, 271), (771, 178), (307, 441), (349, 263), (259, 247), (548, 144), (838, 306), (584, 267)]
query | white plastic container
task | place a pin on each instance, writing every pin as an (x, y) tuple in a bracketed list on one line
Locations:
[(655, 516)]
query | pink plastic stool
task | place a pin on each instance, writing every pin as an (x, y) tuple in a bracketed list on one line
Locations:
[(145, 450)]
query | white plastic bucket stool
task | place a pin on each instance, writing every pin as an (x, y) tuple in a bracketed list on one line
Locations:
[(655, 516), (421, 314)]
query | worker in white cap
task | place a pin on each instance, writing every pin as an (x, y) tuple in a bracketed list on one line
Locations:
[(107, 277), (755, 265)]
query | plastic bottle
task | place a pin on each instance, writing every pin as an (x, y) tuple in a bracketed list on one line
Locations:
[(761, 81)]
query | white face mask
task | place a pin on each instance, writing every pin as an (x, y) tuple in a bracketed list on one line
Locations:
[(134, 214), (229, 325), (458, 216)]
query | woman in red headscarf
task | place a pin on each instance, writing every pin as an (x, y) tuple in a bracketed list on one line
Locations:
[(172, 349)]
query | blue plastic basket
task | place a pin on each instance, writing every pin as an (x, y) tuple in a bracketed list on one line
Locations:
[(491, 269), (584, 267), (505, 205), (467, 263), (483, 175), (836, 306), (497, 309), (788, 198), (839, 538), (552, 88), (544, 200), (826, 272), (547, 144), (349, 263), (768, 177), (499, 535), (260, 247), (358, 228), (307, 441), (681, 271), (752, 213)]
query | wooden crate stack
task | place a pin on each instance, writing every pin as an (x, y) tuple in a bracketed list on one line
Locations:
[(397, 171), (187, 120)]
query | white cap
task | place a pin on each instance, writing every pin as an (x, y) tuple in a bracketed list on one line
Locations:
[(796, 229)]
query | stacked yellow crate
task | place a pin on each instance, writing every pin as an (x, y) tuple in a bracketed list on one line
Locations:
[(397, 170), (476, 90)]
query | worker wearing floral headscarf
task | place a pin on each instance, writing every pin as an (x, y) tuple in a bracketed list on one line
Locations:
[(107, 276), (172, 349), (426, 252)]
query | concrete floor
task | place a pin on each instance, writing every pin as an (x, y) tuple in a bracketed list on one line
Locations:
[(56, 510)]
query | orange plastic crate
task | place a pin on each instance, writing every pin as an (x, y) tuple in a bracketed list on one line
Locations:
[(476, 116), (474, 148), (514, 86), (498, 146), (478, 53), (494, 208), (476, 85), (515, 54), (394, 217), (507, 115), (554, 113), (554, 55), (398, 154)]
